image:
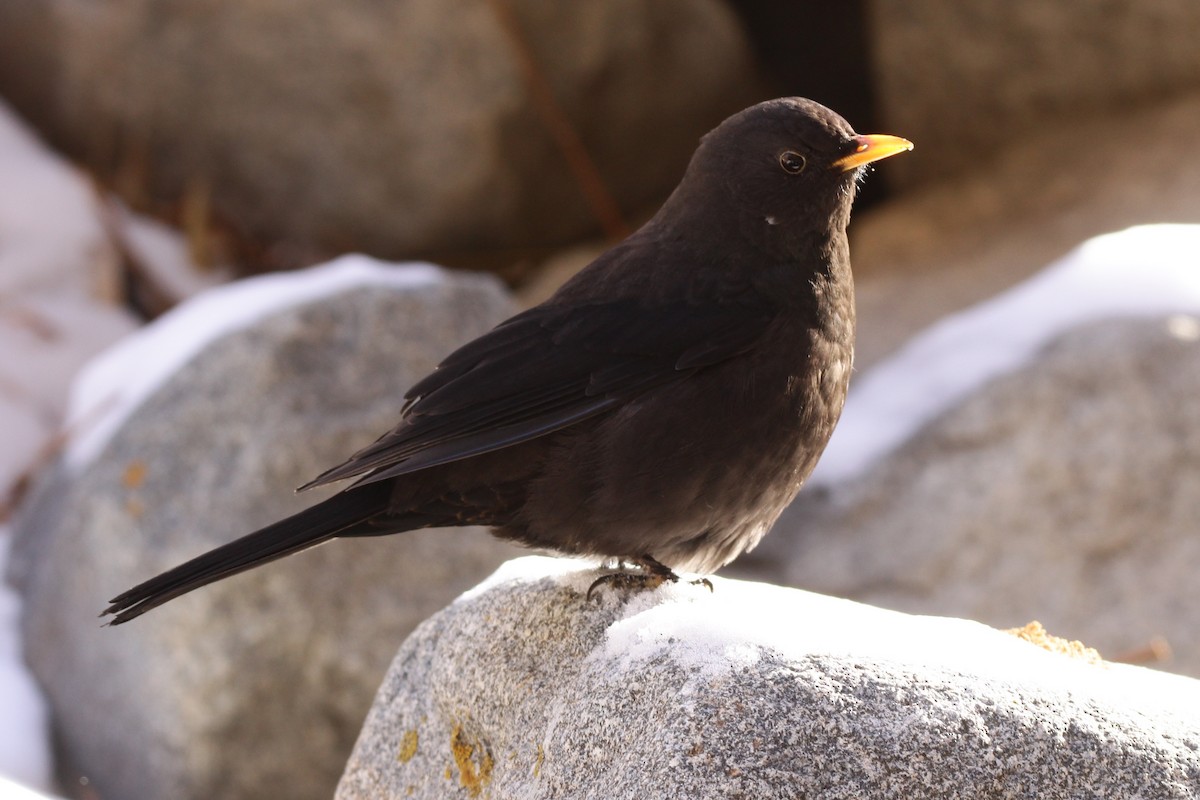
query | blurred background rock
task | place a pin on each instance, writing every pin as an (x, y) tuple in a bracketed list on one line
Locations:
[(426, 128)]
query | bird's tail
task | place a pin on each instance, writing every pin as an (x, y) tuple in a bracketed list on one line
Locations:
[(346, 514)]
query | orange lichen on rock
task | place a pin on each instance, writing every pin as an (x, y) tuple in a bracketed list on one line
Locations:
[(134, 475), (408, 746), (473, 776), (1036, 633)]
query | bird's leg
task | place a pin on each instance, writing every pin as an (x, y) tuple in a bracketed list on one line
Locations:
[(650, 574)]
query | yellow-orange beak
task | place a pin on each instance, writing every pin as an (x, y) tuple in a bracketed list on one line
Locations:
[(872, 147)]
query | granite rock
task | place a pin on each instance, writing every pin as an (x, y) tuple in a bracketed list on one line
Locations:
[(525, 689)]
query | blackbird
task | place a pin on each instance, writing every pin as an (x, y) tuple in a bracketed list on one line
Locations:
[(662, 408)]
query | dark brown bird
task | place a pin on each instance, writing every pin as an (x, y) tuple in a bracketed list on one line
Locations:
[(663, 407)]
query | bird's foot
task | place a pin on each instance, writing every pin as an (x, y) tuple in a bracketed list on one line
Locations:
[(643, 572), (626, 580)]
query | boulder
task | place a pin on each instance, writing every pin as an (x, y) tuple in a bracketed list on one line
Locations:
[(394, 128), (1067, 489), (194, 432), (525, 689)]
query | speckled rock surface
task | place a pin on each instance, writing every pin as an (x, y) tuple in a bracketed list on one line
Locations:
[(524, 689), (253, 687)]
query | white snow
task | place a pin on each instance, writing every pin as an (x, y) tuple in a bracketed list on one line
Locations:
[(44, 340), (711, 633), (57, 276), (51, 234), (15, 791), (24, 725), (1141, 271), (116, 382)]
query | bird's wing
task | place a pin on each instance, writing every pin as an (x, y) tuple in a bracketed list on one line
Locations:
[(546, 369)]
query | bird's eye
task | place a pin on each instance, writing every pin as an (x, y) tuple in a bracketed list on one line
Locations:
[(792, 162)]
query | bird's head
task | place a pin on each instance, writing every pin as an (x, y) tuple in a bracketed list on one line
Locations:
[(781, 173)]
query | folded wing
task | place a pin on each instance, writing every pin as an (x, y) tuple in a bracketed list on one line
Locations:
[(547, 369)]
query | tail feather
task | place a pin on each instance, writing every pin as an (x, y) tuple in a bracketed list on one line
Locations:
[(345, 514)]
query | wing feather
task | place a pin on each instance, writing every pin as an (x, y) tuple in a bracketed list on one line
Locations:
[(546, 369)]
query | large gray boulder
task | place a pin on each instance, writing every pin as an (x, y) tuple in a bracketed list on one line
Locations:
[(1066, 490), (395, 128), (524, 689), (253, 687)]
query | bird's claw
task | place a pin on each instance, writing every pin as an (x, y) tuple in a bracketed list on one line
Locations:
[(631, 580), (649, 574)]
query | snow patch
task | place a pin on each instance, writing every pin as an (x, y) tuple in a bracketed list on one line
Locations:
[(50, 225), (120, 379), (24, 724)]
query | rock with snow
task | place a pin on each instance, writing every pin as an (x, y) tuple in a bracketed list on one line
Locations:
[(1144, 272), (392, 128), (1033, 456), (1068, 491), (189, 434), (525, 689)]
